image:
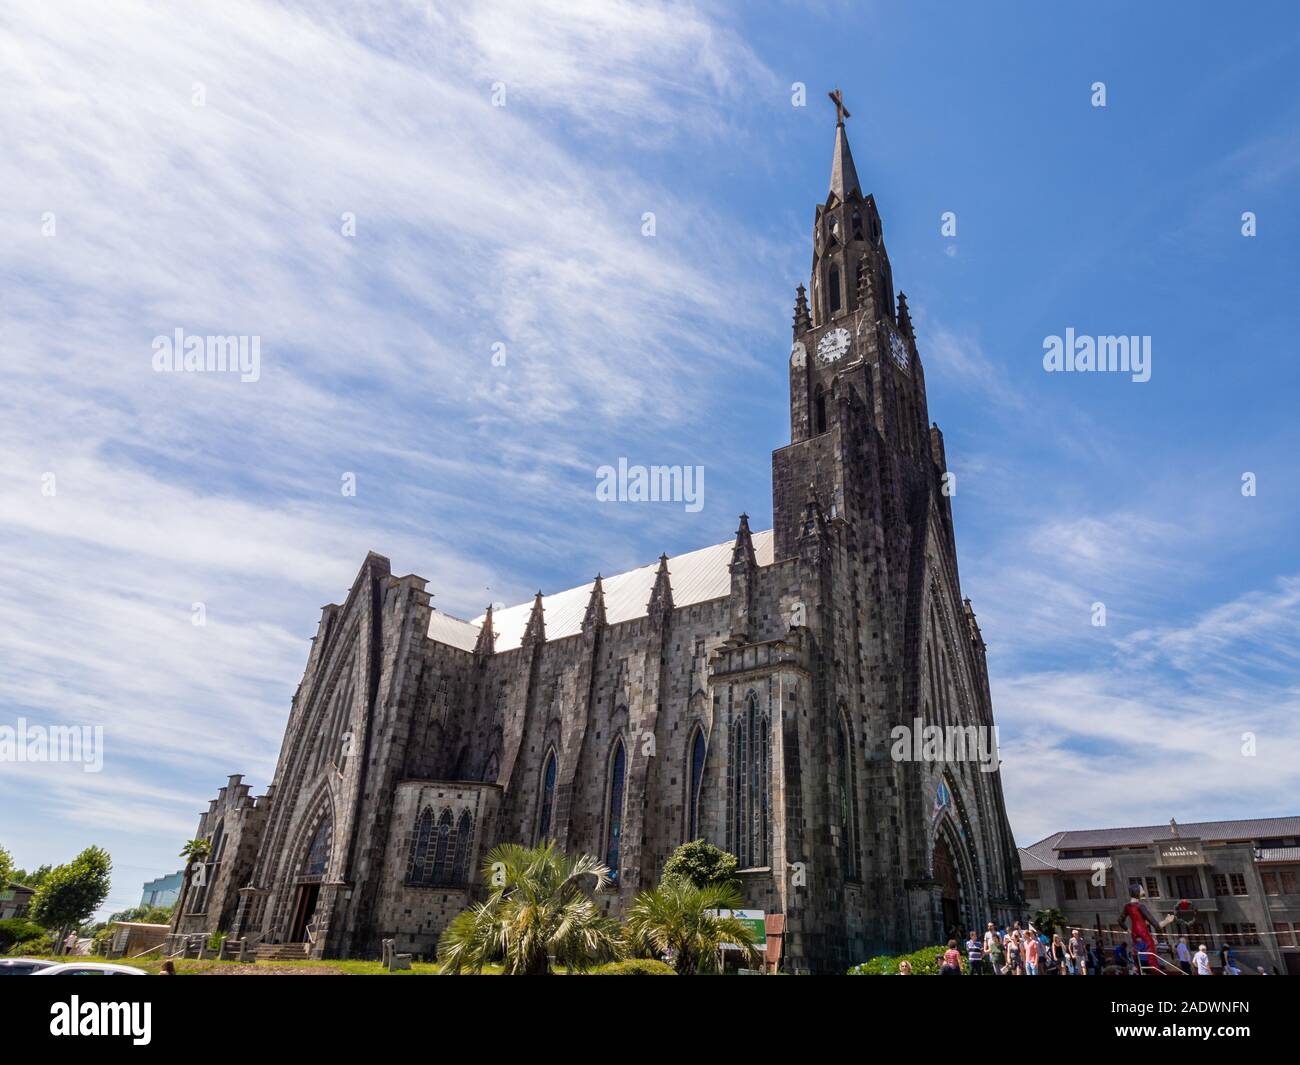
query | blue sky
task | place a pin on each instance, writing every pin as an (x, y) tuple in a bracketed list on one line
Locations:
[(520, 225)]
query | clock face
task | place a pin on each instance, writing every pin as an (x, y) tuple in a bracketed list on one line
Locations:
[(833, 345), (898, 349)]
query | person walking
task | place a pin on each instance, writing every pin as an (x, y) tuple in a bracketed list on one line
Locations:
[(1077, 954), (1060, 957), (1031, 956), (974, 954), (1184, 954), (1202, 962), (1013, 954), (951, 962), (993, 949)]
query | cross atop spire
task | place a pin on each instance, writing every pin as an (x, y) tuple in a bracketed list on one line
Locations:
[(844, 177), (841, 112)]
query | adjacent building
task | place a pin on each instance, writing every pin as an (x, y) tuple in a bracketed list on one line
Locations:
[(163, 891), (1239, 879), (14, 900)]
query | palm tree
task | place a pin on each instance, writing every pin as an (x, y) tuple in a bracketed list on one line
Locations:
[(195, 850), (539, 907), (680, 920)]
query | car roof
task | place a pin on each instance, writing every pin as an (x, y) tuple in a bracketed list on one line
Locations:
[(27, 961), (99, 966)]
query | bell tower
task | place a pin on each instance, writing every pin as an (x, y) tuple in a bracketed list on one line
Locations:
[(854, 366)]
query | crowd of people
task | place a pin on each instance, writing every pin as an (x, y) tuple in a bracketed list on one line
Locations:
[(1017, 951)]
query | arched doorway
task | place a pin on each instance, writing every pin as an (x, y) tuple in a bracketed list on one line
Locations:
[(945, 873), (310, 874)]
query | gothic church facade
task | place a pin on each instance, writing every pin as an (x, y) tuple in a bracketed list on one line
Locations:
[(744, 693)]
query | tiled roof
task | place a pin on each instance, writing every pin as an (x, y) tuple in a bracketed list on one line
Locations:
[(696, 577), (1211, 831), (1279, 854), (1033, 863)]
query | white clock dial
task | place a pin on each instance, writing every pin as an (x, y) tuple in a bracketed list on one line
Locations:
[(833, 345), (898, 349)]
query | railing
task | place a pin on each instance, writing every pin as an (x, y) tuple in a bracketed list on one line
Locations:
[(1164, 966)]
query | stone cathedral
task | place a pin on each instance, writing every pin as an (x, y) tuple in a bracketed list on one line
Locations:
[(742, 693)]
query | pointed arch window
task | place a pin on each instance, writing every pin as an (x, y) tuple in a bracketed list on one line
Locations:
[(695, 782), (614, 831), (748, 787), (857, 226), (833, 289), (418, 869), (848, 803), (442, 849), (464, 836), (819, 410), (318, 851), (547, 804), (492, 770)]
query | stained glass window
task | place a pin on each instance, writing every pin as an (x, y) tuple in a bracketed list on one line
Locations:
[(548, 799), (612, 836), (696, 782), (748, 792), (318, 853)]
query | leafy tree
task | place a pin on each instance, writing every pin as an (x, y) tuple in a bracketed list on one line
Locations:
[(1048, 921), (6, 868), (539, 907), (72, 892), (33, 879), (702, 864), (680, 921)]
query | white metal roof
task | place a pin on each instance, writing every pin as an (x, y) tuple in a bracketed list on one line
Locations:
[(696, 577), (443, 628)]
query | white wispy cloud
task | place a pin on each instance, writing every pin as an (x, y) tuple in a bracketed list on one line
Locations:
[(192, 169), (1178, 728)]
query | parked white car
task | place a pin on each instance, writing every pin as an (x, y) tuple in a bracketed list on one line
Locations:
[(90, 968), (23, 966)]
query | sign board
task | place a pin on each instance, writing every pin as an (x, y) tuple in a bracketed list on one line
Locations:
[(755, 920), (1179, 852)]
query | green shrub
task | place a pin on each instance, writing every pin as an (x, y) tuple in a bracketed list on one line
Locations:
[(925, 962), (702, 864), (634, 967), (20, 932)]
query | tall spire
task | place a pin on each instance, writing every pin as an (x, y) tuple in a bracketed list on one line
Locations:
[(844, 178)]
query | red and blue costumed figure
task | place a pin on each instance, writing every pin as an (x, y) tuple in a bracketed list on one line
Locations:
[(1142, 925)]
